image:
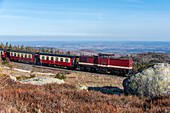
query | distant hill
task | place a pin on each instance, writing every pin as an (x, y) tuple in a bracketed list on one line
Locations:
[(122, 47), (151, 57), (87, 52)]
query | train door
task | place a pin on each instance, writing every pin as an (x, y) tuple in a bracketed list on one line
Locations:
[(95, 60), (7, 54), (104, 59), (36, 59)]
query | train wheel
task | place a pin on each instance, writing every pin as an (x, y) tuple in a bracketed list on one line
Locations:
[(109, 71), (81, 68), (93, 70), (88, 69)]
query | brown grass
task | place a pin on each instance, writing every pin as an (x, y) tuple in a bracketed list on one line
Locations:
[(67, 98)]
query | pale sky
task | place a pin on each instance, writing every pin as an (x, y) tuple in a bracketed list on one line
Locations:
[(139, 20)]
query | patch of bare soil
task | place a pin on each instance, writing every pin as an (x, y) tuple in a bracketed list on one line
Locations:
[(98, 80), (80, 78)]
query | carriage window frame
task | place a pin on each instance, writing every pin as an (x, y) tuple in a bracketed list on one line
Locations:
[(43, 57), (29, 56), (56, 59), (47, 58), (52, 58), (66, 60), (61, 59)]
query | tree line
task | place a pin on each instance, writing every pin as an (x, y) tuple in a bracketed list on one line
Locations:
[(32, 49)]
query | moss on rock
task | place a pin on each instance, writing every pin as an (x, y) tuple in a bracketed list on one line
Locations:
[(150, 82)]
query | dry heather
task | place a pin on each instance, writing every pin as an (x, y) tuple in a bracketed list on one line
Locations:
[(67, 98)]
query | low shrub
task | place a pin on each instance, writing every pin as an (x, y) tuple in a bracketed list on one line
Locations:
[(32, 75), (59, 76), (18, 78)]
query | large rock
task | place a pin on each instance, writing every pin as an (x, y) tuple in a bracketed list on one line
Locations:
[(151, 82)]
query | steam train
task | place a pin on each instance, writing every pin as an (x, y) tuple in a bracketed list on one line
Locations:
[(103, 63)]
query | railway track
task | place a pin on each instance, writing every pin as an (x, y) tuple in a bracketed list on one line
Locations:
[(67, 70)]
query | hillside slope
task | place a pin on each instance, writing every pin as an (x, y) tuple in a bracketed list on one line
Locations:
[(68, 98), (151, 57)]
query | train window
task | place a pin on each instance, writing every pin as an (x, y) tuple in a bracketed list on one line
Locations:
[(21, 55), (61, 59), (43, 58), (52, 58), (15, 54), (29, 56), (18, 55), (106, 57), (56, 59), (1, 52), (100, 56), (66, 60), (47, 58), (11, 54)]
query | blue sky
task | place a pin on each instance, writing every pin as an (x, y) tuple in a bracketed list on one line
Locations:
[(139, 20)]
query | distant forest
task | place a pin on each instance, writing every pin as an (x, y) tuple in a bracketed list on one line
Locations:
[(32, 49), (142, 61)]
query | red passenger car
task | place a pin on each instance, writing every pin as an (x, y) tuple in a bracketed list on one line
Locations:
[(106, 63), (23, 56), (57, 59)]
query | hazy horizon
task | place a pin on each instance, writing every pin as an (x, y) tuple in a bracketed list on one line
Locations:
[(125, 47), (70, 38)]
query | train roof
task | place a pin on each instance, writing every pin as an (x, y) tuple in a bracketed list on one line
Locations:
[(3, 49), (29, 52), (105, 54), (60, 55)]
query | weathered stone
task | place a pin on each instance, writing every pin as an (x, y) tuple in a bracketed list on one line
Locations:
[(150, 82), (42, 80), (13, 78), (82, 87)]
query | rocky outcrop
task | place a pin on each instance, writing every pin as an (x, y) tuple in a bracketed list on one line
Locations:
[(150, 82), (82, 87), (42, 80)]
